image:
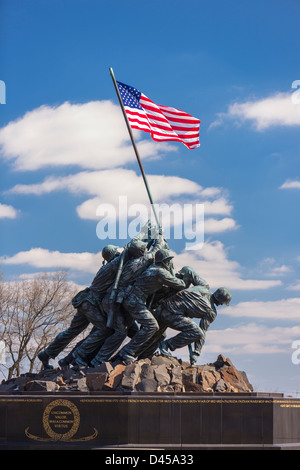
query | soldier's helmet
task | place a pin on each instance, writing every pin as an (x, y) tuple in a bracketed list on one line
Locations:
[(162, 256), (109, 252), (222, 295), (137, 248), (184, 272)]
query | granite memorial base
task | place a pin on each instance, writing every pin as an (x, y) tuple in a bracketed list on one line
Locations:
[(178, 421)]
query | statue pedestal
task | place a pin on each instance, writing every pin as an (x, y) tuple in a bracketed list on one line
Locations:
[(179, 421)]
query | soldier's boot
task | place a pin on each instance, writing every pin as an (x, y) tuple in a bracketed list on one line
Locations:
[(97, 361), (44, 358), (126, 357), (163, 347), (79, 360), (64, 362)]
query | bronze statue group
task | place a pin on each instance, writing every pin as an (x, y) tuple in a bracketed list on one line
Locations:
[(133, 299)]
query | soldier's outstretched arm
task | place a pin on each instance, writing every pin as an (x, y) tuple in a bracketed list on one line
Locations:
[(171, 281)]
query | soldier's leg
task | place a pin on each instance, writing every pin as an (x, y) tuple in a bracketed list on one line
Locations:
[(69, 358), (122, 325), (149, 348), (196, 350), (85, 353), (132, 330), (189, 331), (149, 326), (89, 347), (78, 324)]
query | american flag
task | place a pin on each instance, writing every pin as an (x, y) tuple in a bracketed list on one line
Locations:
[(163, 122)]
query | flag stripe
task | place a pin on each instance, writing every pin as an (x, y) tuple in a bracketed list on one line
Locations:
[(172, 119), (162, 130), (166, 111), (159, 132), (162, 122), (173, 116), (155, 136)]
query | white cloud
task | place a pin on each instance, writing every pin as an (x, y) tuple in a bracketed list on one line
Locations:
[(223, 225), (94, 136), (42, 258), (284, 309), (31, 277), (8, 212), (276, 110), (91, 135), (211, 262), (270, 268), (295, 286), (290, 184), (106, 187), (280, 270), (251, 339), (218, 206)]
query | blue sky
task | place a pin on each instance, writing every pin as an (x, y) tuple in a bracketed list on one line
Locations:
[(65, 150)]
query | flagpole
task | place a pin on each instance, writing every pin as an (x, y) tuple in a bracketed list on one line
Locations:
[(134, 146)]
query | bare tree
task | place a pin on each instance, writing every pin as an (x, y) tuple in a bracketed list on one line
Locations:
[(32, 313)]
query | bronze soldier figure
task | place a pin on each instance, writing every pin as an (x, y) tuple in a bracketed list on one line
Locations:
[(177, 313), (120, 322), (147, 284), (88, 305)]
